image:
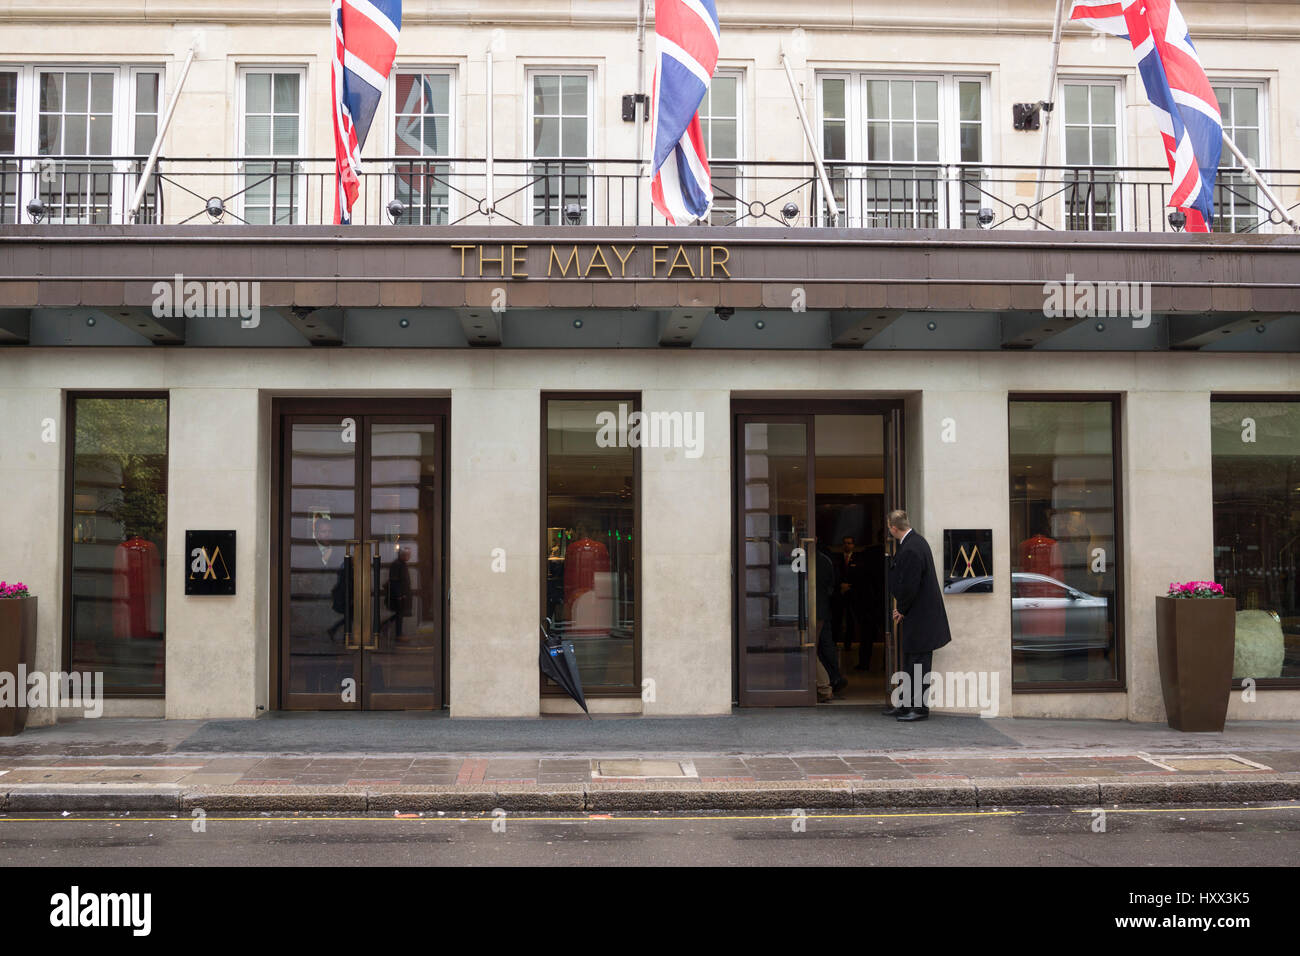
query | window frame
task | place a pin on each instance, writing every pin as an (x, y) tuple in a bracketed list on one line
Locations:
[(1229, 398), (1120, 681), (69, 482), (856, 129), (1123, 213), (740, 218), (239, 202), (122, 151), (634, 400), (530, 157), (1261, 87), (454, 208)]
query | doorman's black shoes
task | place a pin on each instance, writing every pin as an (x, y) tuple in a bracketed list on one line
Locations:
[(893, 711), (913, 715)]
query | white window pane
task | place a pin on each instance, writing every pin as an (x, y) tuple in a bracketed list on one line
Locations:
[(146, 93), (833, 98), (575, 137), (146, 131), (878, 142), (1246, 107), (1103, 105), (546, 137), (257, 135), (407, 98), (927, 100), (436, 136), (723, 136), (1247, 141), (904, 148), (722, 96), (8, 92), (101, 134), (438, 94), (546, 96), (1077, 149), (878, 99), (927, 142), (286, 93), (972, 148), (1076, 103), (101, 92), (259, 93), (970, 105), (51, 92), (77, 93), (833, 140), (286, 135), (1103, 147), (575, 96), (74, 136), (50, 140), (902, 106)]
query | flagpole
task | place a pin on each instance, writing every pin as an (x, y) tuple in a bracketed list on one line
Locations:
[(1050, 101), (812, 145), (158, 140), (490, 167), (1259, 181), (640, 86)]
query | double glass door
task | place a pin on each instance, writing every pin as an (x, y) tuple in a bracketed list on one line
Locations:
[(808, 485), (361, 557)]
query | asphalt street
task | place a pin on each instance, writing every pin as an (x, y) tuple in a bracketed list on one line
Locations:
[(1254, 835)]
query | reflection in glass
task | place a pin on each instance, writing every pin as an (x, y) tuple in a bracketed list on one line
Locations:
[(1064, 560), (402, 663), (590, 537), (119, 541), (775, 518), (1256, 455), (322, 502)]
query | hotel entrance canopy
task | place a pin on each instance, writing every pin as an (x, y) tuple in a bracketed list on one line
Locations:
[(648, 288)]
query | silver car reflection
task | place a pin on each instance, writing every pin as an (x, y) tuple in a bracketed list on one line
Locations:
[(1047, 615)]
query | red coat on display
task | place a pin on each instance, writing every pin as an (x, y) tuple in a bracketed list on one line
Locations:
[(583, 560), (137, 590)]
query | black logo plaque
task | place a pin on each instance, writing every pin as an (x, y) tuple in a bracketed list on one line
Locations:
[(209, 562), (968, 561)]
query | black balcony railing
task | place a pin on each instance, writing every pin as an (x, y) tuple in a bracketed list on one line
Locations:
[(405, 191)]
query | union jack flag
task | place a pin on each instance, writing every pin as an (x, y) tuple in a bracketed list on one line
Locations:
[(365, 43), (687, 30), (1186, 109)]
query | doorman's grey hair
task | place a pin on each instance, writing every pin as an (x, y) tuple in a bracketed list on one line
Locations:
[(898, 519)]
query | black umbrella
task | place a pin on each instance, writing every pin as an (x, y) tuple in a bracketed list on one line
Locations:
[(560, 665)]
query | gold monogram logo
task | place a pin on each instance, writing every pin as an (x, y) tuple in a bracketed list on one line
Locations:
[(970, 557)]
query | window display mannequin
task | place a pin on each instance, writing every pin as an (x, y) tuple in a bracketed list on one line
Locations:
[(587, 610)]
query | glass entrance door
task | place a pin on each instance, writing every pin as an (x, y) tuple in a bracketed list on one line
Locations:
[(777, 592), (361, 565)]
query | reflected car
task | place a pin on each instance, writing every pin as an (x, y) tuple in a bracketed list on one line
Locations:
[(1047, 615)]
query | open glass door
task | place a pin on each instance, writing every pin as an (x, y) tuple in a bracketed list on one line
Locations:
[(776, 553)]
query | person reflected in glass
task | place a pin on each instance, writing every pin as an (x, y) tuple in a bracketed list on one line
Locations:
[(850, 600), (397, 595)]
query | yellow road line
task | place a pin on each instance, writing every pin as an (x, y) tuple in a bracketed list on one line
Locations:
[(1292, 806), (577, 817)]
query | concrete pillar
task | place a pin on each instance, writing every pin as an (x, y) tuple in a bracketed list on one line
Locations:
[(215, 646), (685, 604), (494, 468), (32, 448)]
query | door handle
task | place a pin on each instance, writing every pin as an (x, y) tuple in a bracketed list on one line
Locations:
[(372, 591), (352, 640)]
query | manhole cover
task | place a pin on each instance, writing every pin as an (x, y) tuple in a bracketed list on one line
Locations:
[(640, 768), (1207, 764)]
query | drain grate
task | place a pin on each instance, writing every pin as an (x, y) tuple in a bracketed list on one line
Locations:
[(642, 769), (1206, 763)]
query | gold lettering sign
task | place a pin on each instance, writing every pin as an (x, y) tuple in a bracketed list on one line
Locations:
[(693, 260)]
